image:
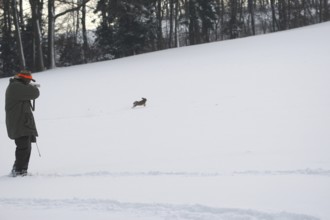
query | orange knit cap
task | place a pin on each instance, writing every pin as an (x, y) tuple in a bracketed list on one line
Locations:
[(25, 74)]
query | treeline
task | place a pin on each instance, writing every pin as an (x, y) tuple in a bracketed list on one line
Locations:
[(39, 35)]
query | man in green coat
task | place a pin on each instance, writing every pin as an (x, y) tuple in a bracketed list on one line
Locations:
[(19, 118)]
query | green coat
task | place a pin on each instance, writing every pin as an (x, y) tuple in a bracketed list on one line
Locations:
[(19, 118)]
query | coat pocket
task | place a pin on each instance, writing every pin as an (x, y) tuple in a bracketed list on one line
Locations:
[(29, 120)]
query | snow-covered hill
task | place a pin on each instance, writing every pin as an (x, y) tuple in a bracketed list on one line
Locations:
[(232, 130)]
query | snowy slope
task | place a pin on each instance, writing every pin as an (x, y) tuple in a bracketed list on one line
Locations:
[(232, 130)]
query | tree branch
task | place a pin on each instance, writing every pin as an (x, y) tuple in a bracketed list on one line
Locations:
[(71, 9)]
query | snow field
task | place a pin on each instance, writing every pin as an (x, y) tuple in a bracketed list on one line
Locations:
[(232, 130)]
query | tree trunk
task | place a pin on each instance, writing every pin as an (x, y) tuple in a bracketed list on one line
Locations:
[(176, 34), (251, 11), (39, 62), (194, 27), (282, 11), (51, 34), (20, 12), (20, 51), (233, 26), (159, 25), (51, 29), (171, 11), (274, 22), (222, 19), (84, 32), (6, 39), (326, 15)]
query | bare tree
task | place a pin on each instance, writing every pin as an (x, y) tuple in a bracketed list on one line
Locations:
[(51, 34), (233, 23), (6, 30), (251, 11), (84, 31), (18, 36), (274, 20), (324, 10), (194, 27), (51, 27), (37, 38), (171, 15), (159, 17)]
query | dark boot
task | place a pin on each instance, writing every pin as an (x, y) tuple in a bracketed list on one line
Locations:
[(15, 173)]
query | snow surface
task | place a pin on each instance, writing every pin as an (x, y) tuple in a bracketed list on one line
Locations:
[(232, 130)]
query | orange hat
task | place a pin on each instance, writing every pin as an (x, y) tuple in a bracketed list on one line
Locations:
[(25, 74)]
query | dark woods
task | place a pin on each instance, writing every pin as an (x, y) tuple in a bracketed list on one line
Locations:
[(39, 35)]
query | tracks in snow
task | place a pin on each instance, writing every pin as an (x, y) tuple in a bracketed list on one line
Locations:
[(158, 211), (310, 172), (75, 201)]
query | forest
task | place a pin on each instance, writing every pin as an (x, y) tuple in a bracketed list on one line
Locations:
[(45, 34)]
